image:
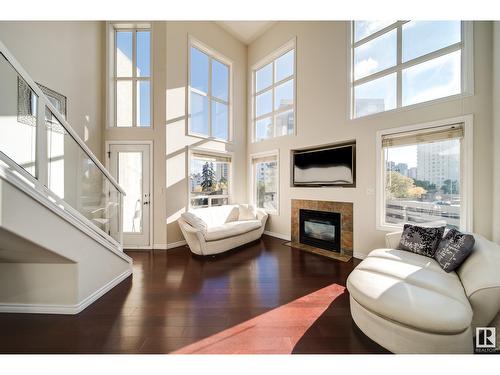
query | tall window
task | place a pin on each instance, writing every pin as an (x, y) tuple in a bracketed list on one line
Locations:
[(209, 180), (132, 77), (265, 182), (274, 95), (397, 64), (424, 179), (209, 93)]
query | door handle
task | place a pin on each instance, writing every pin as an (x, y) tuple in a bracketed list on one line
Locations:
[(145, 203)]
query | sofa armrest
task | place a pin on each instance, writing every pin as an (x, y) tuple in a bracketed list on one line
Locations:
[(262, 215), (193, 236), (392, 239), (188, 227)]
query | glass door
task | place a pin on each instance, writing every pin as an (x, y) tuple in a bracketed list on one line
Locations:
[(130, 165)]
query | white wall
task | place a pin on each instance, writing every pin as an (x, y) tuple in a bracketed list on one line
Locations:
[(176, 122), (496, 131), (66, 57), (38, 257), (322, 117), (156, 133), (170, 172), (18, 137), (38, 283), (69, 58)]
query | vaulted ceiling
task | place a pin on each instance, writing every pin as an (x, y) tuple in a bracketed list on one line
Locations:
[(246, 31)]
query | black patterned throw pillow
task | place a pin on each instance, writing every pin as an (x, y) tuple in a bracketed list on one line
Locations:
[(420, 240), (453, 249)]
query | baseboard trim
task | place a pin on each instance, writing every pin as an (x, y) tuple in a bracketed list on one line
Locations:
[(135, 248), (359, 255), (64, 309), (173, 245), (286, 237), (160, 246)]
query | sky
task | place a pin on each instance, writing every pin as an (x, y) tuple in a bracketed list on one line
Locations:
[(199, 104), (432, 79), (406, 154), (124, 44)]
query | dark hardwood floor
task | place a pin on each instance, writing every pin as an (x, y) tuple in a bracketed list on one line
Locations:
[(175, 300)]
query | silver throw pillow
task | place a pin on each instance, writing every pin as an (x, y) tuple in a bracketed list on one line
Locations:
[(453, 249)]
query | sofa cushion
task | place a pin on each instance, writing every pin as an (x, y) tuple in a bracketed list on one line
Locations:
[(231, 229), (453, 249), (420, 240), (203, 218), (412, 290), (246, 212)]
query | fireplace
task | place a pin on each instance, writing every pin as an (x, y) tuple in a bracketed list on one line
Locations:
[(332, 237), (320, 229)]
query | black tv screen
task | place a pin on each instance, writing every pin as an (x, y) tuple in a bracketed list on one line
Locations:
[(325, 166)]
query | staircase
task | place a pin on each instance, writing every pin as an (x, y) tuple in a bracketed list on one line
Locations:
[(60, 209)]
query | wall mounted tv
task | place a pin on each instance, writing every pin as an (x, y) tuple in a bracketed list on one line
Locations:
[(331, 165)]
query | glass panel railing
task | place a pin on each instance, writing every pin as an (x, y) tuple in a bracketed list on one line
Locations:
[(36, 138), (18, 118), (75, 178)]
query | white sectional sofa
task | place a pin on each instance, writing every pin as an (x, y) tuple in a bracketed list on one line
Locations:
[(408, 304), (213, 230)]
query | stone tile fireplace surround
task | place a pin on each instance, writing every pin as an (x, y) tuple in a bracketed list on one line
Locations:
[(346, 231)]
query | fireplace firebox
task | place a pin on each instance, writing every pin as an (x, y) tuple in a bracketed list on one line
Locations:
[(320, 229)]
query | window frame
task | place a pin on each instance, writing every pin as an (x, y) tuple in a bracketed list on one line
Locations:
[(466, 45), (209, 152), (212, 55), (466, 170), (112, 92), (271, 58), (251, 179)]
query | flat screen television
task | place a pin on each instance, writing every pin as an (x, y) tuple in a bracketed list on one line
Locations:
[(332, 165)]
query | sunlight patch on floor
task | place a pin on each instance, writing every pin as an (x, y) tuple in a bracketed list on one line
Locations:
[(274, 332)]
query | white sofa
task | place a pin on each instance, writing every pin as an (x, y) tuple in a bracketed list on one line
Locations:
[(408, 304), (213, 230)]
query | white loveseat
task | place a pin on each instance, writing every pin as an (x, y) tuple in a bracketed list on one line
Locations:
[(213, 230), (408, 304)]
